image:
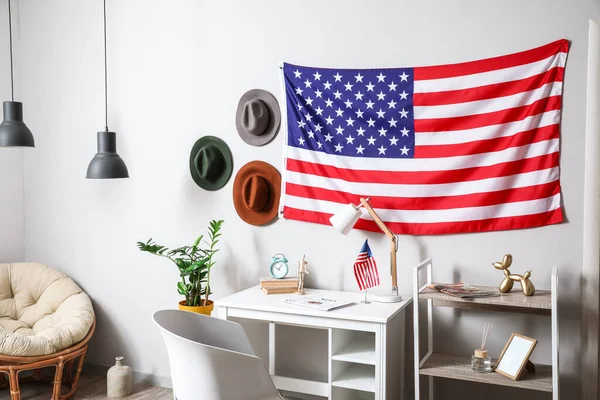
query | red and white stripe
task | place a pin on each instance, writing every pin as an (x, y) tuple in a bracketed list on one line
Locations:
[(365, 272), (486, 154)]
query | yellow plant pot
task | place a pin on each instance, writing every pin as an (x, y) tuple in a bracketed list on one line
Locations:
[(206, 310)]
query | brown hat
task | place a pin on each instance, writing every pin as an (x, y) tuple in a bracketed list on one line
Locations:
[(256, 191), (257, 117)]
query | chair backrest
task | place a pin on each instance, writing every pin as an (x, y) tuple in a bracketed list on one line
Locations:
[(212, 359), (226, 335)]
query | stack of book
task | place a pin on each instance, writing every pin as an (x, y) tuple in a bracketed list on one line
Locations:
[(279, 286)]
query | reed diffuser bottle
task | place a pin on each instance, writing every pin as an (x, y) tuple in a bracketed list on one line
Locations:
[(480, 360)]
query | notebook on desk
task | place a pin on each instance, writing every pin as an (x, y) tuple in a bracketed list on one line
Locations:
[(317, 303)]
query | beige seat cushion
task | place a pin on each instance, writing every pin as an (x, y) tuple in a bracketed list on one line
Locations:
[(42, 311)]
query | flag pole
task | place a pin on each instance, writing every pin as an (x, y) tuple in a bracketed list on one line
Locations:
[(365, 300)]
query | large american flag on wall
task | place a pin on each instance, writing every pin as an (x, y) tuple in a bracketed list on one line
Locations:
[(466, 147)]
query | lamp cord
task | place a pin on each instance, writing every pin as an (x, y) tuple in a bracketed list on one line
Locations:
[(12, 86), (105, 76)]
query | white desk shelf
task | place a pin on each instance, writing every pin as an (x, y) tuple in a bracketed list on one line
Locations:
[(357, 377), (544, 302), (365, 342), (360, 350)]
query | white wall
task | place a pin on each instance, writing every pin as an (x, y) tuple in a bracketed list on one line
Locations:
[(12, 236), (12, 224), (176, 72)]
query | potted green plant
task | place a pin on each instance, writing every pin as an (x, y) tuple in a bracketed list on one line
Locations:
[(194, 264)]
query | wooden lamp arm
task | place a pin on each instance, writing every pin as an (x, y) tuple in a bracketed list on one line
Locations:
[(393, 241), (378, 221)]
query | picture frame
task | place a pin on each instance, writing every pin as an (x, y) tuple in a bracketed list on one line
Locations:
[(515, 356)]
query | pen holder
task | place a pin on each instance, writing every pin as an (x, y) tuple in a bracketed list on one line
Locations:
[(481, 361)]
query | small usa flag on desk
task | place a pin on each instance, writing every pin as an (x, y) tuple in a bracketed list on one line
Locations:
[(467, 147), (365, 269)]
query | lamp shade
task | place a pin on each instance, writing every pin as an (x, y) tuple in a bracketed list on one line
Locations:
[(107, 164), (13, 131), (345, 219)]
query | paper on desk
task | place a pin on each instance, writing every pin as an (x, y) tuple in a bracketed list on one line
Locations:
[(317, 303)]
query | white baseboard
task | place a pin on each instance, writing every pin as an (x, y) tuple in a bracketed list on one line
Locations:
[(156, 380)]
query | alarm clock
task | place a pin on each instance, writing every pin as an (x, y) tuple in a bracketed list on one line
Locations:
[(279, 266)]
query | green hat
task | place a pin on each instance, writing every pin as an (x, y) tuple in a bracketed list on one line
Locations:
[(211, 163)]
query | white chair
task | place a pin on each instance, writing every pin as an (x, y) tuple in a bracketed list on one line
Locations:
[(212, 359)]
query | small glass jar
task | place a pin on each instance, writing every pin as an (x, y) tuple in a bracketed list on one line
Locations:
[(481, 362)]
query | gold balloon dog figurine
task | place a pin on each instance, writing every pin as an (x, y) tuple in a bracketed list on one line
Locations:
[(509, 279), (507, 284)]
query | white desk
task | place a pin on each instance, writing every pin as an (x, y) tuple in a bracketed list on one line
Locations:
[(365, 341)]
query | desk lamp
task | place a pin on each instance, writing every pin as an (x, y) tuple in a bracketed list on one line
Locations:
[(345, 219)]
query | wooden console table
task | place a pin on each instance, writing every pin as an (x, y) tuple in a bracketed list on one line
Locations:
[(365, 342), (544, 302)]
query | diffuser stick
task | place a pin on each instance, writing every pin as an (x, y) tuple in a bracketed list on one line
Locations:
[(487, 328)]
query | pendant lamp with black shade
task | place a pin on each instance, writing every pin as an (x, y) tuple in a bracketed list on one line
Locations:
[(106, 164), (13, 131)]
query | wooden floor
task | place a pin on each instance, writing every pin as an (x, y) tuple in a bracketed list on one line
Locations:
[(90, 388)]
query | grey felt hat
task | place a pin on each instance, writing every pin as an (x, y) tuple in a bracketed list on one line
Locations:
[(211, 163), (258, 117)]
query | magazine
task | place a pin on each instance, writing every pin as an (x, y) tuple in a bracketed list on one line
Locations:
[(461, 290), (317, 303)]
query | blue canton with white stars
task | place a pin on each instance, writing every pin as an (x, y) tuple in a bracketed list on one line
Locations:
[(351, 112), (366, 249)]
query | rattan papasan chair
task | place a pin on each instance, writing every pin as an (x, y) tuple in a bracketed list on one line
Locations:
[(45, 320)]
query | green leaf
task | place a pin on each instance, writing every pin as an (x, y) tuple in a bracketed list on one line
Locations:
[(195, 245), (180, 264), (181, 288)]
